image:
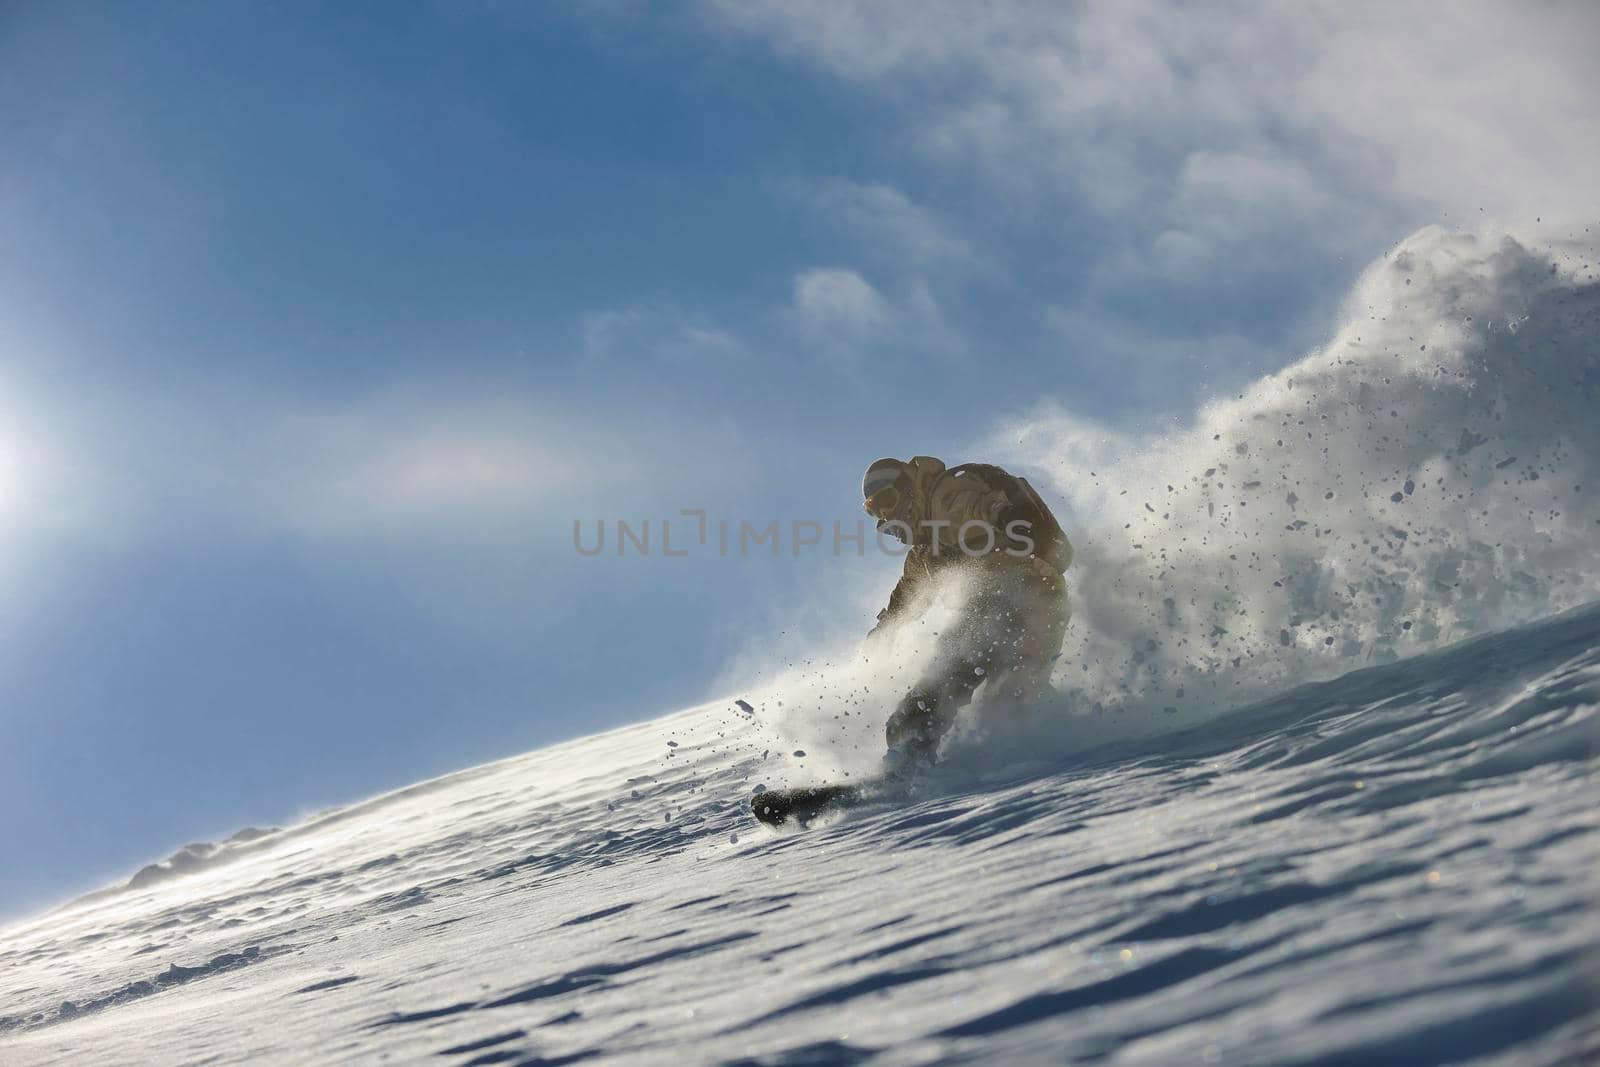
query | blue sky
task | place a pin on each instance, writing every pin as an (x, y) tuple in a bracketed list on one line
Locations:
[(318, 330)]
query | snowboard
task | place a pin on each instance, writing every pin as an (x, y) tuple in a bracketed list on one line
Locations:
[(775, 807)]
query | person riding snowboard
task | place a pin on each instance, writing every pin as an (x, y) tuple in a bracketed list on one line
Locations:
[(992, 524)]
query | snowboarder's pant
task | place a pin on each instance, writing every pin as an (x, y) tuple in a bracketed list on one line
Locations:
[(1008, 636)]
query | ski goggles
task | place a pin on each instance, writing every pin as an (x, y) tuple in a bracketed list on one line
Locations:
[(884, 503), (885, 488)]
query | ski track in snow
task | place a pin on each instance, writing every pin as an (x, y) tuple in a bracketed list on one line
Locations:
[(1395, 866)]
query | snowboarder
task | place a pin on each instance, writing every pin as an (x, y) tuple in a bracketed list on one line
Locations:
[(992, 523)]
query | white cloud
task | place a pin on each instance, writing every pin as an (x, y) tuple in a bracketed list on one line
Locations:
[(1485, 105), (1330, 121), (887, 222), (839, 304), (409, 464), (425, 461), (472, 466), (840, 315), (655, 330)]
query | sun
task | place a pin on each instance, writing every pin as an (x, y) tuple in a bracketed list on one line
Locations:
[(10, 478)]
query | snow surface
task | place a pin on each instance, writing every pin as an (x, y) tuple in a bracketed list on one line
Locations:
[(1396, 866)]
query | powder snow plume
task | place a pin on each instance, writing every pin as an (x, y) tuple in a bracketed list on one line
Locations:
[(1427, 475)]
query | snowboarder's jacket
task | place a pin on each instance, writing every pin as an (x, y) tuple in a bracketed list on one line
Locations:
[(983, 503)]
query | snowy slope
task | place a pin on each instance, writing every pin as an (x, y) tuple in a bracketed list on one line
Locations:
[(1394, 866)]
